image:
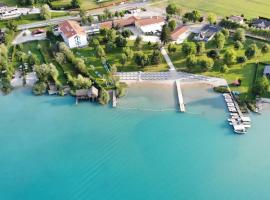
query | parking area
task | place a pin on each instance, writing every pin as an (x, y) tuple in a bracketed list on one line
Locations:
[(145, 38)]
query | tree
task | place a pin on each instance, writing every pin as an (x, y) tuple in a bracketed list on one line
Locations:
[(230, 57), (238, 45), (126, 33), (188, 48), (200, 48), (83, 16), (225, 32), (100, 51), (109, 47), (205, 63), (252, 51), (75, 3), (32, 59), (214, 54), (60, 58), (156, 57), (94, 42), (121, 41), (81, 82), (141, 59), (123, 59), (129, 53), (172, 48), (109, 35), (240, 35), (224, 68), (265, 48), (241, 59), (39, 88), (138, 42), (171, 9), (261, 86), (212, 18), (90, 19), (45, 12), (219, 40), (172, 25), (104, 97), (165, 35), (191, 62), (193, 16)]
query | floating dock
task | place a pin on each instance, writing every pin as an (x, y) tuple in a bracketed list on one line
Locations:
[(180, 96), (114, 100)]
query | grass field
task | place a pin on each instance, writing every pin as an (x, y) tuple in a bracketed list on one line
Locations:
[(251, 8), (26, 19), (86, 4), (245, 71), (88, 54)]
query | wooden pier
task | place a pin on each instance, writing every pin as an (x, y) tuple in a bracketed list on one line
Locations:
[(180, 96), (114, 100)]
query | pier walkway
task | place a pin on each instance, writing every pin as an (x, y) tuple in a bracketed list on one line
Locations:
[(114, 101), (180, 96)]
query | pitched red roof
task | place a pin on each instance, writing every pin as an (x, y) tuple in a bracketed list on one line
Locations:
[(178, 32), (149, 21), (71, 28), (119, 22)]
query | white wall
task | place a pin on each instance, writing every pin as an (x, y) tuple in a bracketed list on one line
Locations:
[(71, 42)]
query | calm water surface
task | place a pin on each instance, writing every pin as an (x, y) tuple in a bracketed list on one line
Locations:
[(143, 150)]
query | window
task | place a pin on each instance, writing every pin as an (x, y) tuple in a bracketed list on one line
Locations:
[(77, 41)]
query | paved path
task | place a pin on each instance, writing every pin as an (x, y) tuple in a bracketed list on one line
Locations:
[(167, 58)]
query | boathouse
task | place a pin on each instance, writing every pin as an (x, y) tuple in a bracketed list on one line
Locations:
[(87, 94)]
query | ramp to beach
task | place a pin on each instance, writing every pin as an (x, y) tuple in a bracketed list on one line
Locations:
[(180, 96)]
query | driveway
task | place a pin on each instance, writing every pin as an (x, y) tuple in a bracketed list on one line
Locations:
[(26, 36)]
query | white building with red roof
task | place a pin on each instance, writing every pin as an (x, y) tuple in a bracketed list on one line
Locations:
[(180, 34), (73, 34), (150, 24)]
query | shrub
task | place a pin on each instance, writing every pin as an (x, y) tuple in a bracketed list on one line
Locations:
[(156, 57), (252, 51), (221, 89), (39, 88), (265, 48), (230, 57), (214, 54), (238, 45), (241, 59), (189, 48), (104, 97)]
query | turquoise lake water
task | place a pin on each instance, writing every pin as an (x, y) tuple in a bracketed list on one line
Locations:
[(143, 150)]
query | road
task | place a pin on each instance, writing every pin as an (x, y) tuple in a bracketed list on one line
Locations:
[(47, 22), (150, 12)]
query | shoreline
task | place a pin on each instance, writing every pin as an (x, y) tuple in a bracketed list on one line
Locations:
[(185, 83)]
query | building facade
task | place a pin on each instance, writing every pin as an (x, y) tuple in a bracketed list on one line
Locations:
[(73, 34)]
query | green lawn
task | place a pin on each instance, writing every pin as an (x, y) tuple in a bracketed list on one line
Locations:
[(86, 4), (44, 55), (251, 8), (245, 71), (88, 54), (27, 19)]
